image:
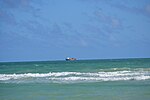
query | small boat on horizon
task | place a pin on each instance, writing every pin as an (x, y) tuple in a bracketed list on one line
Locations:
[(70, 59)]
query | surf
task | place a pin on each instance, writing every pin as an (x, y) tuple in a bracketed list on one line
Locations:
[(114, 75)]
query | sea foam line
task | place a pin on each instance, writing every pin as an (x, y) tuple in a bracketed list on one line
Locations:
[(79, 76)]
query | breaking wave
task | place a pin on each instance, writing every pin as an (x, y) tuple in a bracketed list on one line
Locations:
[(73, 77)]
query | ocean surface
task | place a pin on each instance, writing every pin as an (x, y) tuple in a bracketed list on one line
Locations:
[(109, 79)]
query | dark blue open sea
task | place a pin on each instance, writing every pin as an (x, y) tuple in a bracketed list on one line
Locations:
[(118, 79)]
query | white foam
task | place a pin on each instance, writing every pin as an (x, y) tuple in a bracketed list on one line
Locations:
[(79, 76)]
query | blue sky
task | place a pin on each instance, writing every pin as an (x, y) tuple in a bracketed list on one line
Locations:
[(85, 29)]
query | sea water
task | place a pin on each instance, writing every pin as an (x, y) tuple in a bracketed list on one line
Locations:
[(110, 79)]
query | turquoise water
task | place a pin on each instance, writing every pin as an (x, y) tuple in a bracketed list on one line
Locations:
[(118, 79)]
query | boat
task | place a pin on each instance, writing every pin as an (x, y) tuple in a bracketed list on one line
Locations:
[(70, 59)]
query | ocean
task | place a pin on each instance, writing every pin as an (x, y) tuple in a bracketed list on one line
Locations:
[(108, 79)]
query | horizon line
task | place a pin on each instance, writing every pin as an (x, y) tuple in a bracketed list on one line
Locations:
[(76, 60)]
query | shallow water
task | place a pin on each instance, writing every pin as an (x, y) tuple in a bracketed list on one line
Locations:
[(120, 79)]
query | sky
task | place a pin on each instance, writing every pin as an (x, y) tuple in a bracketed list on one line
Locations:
[(37, 30)]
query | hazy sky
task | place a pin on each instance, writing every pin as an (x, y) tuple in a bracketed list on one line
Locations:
[(85, 29)]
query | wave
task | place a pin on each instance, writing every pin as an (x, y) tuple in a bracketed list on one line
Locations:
[(76, 76)]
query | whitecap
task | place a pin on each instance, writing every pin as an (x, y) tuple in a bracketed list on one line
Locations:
[(77, 76)]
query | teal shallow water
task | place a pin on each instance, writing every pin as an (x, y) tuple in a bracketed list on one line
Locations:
[(78, 91), (121, 79)]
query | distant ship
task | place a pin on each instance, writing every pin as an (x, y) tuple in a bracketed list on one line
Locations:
[(70, 59)]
